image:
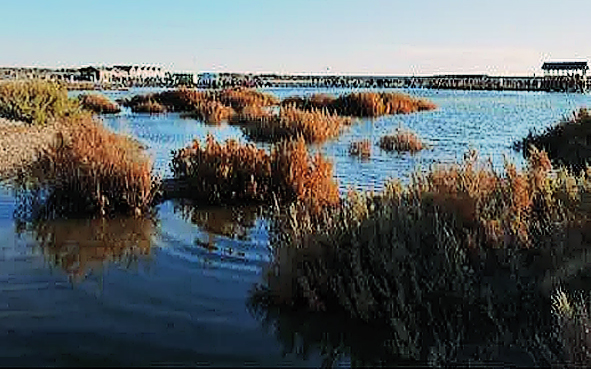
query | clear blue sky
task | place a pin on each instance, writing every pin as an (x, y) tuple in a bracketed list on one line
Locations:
[(298, 36)]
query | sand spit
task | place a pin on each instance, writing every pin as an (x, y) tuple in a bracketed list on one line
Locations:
[(20, 142)]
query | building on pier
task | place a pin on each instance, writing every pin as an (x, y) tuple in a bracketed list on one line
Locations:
[(579, 68)]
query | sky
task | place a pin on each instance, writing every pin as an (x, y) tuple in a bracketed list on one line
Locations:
[(375, 37)]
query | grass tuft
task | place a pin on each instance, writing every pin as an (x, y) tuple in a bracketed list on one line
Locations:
[(402, 140), (99, 104)]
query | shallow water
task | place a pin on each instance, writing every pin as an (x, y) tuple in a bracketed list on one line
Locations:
[(124, 292)]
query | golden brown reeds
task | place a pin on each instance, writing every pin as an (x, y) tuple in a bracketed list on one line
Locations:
[(99, 104), (567, 143), (149, 106), (236, 172), (360, 148), (200, 103), (362, 104), (402, 140), (90, 170), (313, 102), (239, 98), (313, 126), (35, 101), (211, 111)]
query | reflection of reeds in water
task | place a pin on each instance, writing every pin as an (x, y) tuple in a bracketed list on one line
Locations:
[(334, 337), (79, 246), (231, 222)]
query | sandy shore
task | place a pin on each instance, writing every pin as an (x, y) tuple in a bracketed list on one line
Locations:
[(20, 143)]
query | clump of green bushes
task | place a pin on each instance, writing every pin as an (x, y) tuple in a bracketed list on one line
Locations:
[(35, 101)]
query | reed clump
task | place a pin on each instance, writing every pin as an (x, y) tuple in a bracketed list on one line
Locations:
[(402, 140), (568, 143), (80, 86), (35, 101), (362, 104), (458, 245), (361, 149), (217, 105), (90, 170), (573, 325), (212, 111), (234, 172), (99, 104), (240, 98), (313, 126)]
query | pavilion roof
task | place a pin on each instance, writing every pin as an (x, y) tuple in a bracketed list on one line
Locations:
[(565, 66)]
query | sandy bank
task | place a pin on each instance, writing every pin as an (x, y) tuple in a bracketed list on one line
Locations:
[(20, 142)]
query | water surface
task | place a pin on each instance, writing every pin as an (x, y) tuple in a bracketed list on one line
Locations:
[(176, 290)]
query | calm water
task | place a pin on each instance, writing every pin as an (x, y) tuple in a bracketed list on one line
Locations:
[(175, 290)]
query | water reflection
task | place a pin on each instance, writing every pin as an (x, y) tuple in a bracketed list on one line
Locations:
[(233, 223), (80, 246), (337, 339)]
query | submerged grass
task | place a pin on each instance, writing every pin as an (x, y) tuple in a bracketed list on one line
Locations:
[(460, 246), (99, 104), (361, 149), (234, 172)]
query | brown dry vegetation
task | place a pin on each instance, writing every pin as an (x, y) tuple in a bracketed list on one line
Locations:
[(568, 143), (402, 140), (313, 126), (235, 172), (90, 170), (211, 106), (362, 104), (459, 247), (99, 104), (360, 148)]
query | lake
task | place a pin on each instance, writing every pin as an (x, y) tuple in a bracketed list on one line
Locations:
[(175, 290)]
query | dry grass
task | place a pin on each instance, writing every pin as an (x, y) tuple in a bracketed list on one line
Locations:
[(313, 126), (574, 327), (80, 86), (240, 98), (99, 104), (567, 143), (212, 106), (402, 140), (362, 104), (361, 149), (235, 172), (35, 101), (211, 111), (90, 170), (460, 247), (82, 245)]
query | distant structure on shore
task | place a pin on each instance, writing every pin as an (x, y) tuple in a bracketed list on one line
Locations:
[(566, 76)]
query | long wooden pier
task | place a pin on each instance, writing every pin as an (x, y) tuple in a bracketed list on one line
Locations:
[(455, 82)]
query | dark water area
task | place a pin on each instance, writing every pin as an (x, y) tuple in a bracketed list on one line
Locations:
[(176, 290)]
